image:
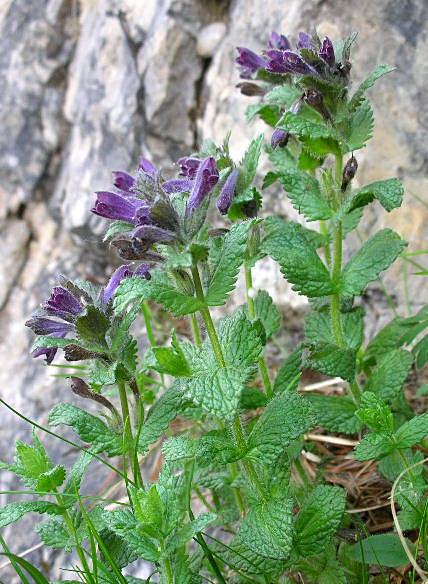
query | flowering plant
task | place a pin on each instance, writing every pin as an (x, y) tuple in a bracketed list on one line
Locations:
[(233, 500)]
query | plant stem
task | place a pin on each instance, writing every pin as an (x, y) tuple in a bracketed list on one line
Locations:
[(238, 430), (336, 324), (263, 370), (72, 531), (327, 251), (196, 330), (128, 431), (147, 315), (301, 471)]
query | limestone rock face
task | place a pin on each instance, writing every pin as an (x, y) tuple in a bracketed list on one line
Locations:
[(90, 86)]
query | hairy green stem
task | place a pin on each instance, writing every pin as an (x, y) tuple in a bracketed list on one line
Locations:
[(147, 315), (128, 432), (196, 330), (238, 430), (72, 531), (335, 303), (263, 370)]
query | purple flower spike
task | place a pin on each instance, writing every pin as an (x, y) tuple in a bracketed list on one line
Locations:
[(48, 327), (226, 196), (123, 181), (305, 41), (147, 167), (327, 52), (278, 41), (48, 353), (118, 275), (62, 304), (295, 63), (177, 185), (205, 180), (279, 138), (248, 62), (188, 166), (153, 234), (114, 206)]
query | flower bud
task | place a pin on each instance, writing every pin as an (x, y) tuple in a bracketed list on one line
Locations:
[(349, 172), (279, 138), (81, 388), (315, 99)]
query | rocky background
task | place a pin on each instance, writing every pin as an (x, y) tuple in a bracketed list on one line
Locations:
[(90, 86)]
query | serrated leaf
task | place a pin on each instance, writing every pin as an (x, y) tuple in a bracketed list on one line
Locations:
[(54, 534), (412, 432), (179, 448), (287, 244), (267, 530), (267, 313), (160, 289), (288, 376), (360, 128), (48, 342), (75, 477), (305, 194), (367, 83), (375, 413), (160, 415), (331, 359), (385, 549), (318, 327), (318, 519), (387, 379), (388, 192), (270, 114), (240, 341), (31, 461), (305, 128), (189, 531), (335, 414), (124, 524), (90, 428), (283, 95), (373, 446), (49, 481), (285, 418), (375, 256), (248, 166), (225, 262), (12, 512), (171, 362)]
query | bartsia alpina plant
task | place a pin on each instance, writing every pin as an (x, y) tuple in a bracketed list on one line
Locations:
[(228, 429)]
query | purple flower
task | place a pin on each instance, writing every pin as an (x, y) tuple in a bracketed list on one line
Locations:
[(49, 353), (279, 138), (278, 41), (188, 166), (249, 62), (275, 62), (226, 195), (41, 325), (177, 185), (62, 304), (153, 234), (147, 167), (120, 274), (327, 52), (123, 181), (305, 41), (114, 206), (205, 180)]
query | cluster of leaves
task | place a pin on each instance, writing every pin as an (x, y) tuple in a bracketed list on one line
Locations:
[(238, 448)]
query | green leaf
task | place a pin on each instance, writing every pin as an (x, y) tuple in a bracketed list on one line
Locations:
[(49, 481), (252, 399), (189, 531), (335, 414), (367, 83), (375, 413), (267, 313), (124, 524), (160, 415), (383, 550), (75, 477), (318, 519), (283, 95), (331, 359), (48, 342), (248, 166), (158, 288), (305, 128), (12, 512), (117, 227), (240, 341), (171, 362), (375, 256), (373, 446), (388, 192), (93, 325), (267, 530), (31, 461), (287, 244), (360, 128), (54, 533), (90, 428), (286, 418), (305, 194), (412, 432), (318, 327), (270, 114), (225, 262), (288, 376), (387, 379)]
